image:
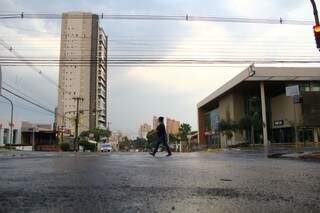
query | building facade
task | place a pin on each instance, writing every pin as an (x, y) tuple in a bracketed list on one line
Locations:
[(172, 126), (82, 72), (143, 130), (259, 101), (154, 122), (5, 132), (42, 136)]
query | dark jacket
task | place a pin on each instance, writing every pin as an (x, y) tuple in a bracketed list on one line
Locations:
[(161, 131)]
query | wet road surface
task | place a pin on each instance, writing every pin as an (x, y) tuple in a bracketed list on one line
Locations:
[(229, 181)]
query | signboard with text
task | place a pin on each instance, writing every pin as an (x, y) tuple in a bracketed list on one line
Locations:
[(292, 90), (278, 123)]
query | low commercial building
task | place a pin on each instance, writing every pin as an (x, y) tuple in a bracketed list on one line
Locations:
[(43, 136), (274, 104)]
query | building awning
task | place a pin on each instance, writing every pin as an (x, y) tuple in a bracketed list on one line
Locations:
[(258, 74)]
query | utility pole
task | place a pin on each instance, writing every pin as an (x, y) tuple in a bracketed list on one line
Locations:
[(11, 121), (33, 142), (11, 117), (78, 99)]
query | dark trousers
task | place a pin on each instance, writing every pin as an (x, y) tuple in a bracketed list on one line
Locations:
[(161, 140)]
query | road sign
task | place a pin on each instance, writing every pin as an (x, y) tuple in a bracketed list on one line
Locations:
[(292, 90)]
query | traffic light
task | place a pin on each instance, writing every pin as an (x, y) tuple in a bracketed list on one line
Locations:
[(316, 30)]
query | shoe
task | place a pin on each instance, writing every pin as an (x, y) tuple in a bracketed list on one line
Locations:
[(168, 155), (151, 153)]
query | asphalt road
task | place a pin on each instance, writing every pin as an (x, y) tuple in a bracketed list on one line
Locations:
[(231, 181)]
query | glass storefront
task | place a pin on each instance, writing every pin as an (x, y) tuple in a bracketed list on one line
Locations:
[(212, 133), (253, 111), (283, 135), (306, 135), (307, 86)]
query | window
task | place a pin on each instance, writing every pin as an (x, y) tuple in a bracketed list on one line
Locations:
[(305, 87), (315, 87)]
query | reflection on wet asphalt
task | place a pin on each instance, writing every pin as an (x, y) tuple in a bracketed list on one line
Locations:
[(232, 181)]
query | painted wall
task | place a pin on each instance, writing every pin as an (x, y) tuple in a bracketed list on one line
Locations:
[(284, 109)]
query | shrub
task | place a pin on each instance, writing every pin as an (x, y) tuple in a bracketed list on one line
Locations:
[(65, 147), (87, 146)]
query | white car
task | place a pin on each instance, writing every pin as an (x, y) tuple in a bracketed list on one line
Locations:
[(106, 147)]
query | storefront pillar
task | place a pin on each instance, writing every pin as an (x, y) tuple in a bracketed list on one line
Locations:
[(316, 136), (264, 114)]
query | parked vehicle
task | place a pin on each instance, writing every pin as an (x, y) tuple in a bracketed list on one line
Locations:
[(106, 147)]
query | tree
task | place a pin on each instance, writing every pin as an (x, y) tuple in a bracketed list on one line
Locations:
[(151, 139), (184, 131), (252, 123), (173, 138), (228, 128), (98, 134), (139, 143), (124, 144)]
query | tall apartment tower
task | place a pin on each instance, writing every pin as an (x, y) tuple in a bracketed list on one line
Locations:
[(82, 72)]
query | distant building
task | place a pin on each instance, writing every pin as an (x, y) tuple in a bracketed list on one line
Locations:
[(115, 138), (143, 130), (154, 122), (82, 72), (172, 126), (5, 132), (44, 136)]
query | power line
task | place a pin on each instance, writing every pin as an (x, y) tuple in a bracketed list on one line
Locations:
[(28, 109), (17, 90), (191, 63), (29, 101), (150, 61), (186, 17), (38, 105), (30, 64)]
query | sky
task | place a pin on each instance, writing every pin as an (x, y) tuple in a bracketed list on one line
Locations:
[(137, 93)]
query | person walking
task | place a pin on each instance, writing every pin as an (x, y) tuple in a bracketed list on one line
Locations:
[(162, 138)]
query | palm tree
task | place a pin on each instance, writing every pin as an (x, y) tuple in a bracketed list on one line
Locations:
[(253, 123), (184, 131)]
